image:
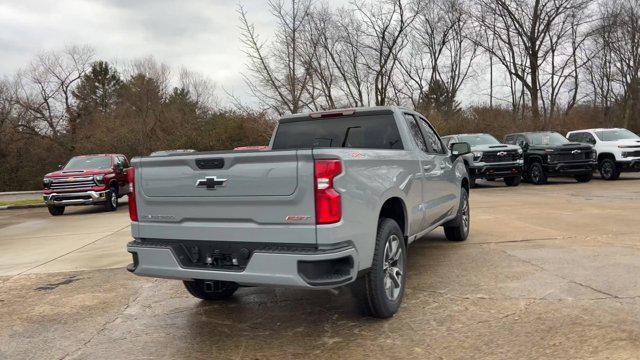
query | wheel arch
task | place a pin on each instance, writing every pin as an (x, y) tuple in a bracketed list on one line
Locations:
[(395, 208), (606, 155)]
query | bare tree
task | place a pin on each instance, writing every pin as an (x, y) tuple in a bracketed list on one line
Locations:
[(521, 30), (278, 74), (43, 92), (384, 27)]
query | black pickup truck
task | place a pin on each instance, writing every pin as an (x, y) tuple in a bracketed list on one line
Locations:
[(548, 153)]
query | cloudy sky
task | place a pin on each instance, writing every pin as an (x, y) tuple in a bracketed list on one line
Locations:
[(197, 34), (201, 35)]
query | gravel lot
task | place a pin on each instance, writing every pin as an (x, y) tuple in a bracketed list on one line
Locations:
[(548, 272)]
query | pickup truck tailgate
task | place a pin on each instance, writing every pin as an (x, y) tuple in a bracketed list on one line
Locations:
[(230, 196)]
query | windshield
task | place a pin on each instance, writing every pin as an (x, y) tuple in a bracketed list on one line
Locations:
[(616, 134), (366, 131), (546, 138), (88, 162), (479, 139)]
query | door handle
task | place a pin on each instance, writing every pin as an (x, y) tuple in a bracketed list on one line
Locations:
[(428, 168)]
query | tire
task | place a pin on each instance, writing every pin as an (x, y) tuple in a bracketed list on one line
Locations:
[(458, 228), (219, 290), (381, 290), (536, 174), (56, 210), (513, 180), (584, 178), (608, 169), (112, 199)]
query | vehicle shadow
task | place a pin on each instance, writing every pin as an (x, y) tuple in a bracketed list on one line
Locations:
[(94, 209)]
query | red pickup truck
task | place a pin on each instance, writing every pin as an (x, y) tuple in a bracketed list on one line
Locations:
[(99, 179)]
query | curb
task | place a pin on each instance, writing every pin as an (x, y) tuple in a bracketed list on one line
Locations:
[(21, 192), (14, 207)]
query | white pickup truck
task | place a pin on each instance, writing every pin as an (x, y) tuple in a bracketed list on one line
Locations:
[(336, 200), (617, 149)]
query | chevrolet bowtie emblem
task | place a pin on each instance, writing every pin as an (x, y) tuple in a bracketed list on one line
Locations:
[(71, 179), (211, 182), (575, 152), (502, 153)]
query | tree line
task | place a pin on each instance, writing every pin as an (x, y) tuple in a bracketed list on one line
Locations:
[(469, 65)]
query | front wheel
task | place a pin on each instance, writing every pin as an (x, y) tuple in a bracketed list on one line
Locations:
[(56, 210), (211, 290), (458, 228), (536, 174), (608, 169), (513, 180), (380, 291), (112, 199), (584, 178)]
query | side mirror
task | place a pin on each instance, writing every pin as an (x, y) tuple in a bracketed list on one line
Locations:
[(459, 149), (59, 166), (119, 168)]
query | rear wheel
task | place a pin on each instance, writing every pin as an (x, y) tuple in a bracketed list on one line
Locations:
[(584, 178), (381, 290), (513, 180), (536, 174), (211, 289), (608, 169), (56, 210), (458, 228), (112, 199)]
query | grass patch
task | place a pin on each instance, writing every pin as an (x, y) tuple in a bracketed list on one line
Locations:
[(22, 202)]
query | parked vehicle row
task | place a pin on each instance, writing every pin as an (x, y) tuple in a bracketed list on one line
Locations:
[(335, 199)]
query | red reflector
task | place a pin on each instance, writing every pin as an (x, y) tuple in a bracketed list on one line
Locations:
[(328, 200), (133, 208)]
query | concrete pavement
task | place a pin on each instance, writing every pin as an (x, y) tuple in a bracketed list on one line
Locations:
[(548, 272)]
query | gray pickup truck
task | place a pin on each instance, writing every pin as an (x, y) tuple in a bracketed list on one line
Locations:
[(335, 200)]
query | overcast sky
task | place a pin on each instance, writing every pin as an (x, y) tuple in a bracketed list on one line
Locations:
[(199, 35)]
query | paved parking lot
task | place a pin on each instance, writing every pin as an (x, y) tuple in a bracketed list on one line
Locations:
[(548, 272)]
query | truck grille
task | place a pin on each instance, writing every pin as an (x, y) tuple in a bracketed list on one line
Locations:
[(70, 183), (582, 155), (499, 156), (632, 153)]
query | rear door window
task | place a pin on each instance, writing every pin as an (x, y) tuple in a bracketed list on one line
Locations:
[(377, 131), (433, 141), (414, 130)]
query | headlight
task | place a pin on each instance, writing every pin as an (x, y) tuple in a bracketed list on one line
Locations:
[(46, 182), (593, 155), (477, 155), (98, 179), (552, 158)]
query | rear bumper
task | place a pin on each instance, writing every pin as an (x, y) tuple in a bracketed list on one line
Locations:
[(496, 170), (570, 169), (75, 198), (265, 268)]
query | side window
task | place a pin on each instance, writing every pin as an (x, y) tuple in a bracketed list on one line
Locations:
[(433, 141), (125, 163), (510, 139), (575, 137), (415, 132), (589, 139)]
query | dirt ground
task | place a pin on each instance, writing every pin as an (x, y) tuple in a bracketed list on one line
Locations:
[(548, 272)]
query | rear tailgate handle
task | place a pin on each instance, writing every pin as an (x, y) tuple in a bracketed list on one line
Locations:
[(211, 163)]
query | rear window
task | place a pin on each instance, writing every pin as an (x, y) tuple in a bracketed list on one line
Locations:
[(368, 131)]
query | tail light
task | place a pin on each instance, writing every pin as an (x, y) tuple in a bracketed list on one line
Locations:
[(328, 202), (133, 208)]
